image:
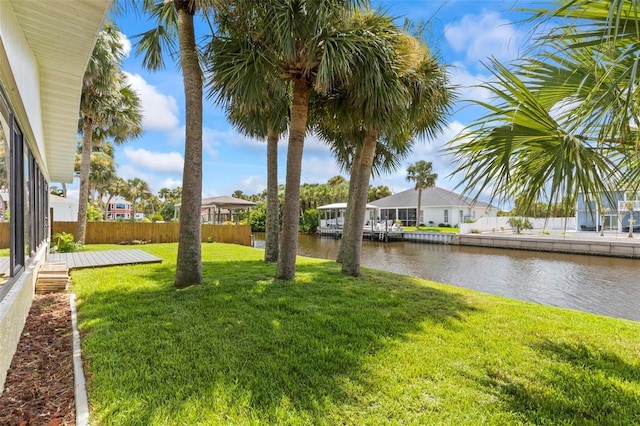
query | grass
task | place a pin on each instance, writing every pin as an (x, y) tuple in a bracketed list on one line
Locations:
[(430, 229), (244, 348)]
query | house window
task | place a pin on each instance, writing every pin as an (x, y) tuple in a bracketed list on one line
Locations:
[(407, 216), (121, 206), (461, 216), (388, 214), (23, 197), (446, 216)]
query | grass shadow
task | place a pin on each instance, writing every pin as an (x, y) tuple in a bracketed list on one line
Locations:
[(243, 344), (574, 384)]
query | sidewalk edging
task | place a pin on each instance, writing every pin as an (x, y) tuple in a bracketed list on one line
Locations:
[(82, 403)]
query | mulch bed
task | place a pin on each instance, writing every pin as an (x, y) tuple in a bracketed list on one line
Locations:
[(40, 387)]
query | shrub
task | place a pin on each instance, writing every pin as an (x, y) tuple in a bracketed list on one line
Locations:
[(63, 242), (442, 225), (431, 223), (258, 218), (94, 213), (475, 231), (520, 223), (309, 221)]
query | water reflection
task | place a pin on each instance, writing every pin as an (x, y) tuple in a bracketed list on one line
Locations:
[(602, 285)]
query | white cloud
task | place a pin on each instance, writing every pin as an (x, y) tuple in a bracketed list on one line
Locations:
[(126, 45), (163, 162), (319, 169), (482, 36), (160, 110), (427, 151), (466, 83), (171, 183)]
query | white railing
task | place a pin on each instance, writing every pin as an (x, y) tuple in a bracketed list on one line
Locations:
[(625, 206), (485, 224)]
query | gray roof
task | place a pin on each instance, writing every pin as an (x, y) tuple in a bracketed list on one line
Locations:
[(228, 202), (431, 197)]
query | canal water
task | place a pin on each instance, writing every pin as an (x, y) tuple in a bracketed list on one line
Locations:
[(601, 285)]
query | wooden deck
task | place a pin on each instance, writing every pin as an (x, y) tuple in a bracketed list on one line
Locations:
[(4, 266), (96, 259)]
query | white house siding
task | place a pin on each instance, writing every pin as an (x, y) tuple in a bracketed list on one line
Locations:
[(434, 202), (44, 49), (64, 209), (14, 309), (20, 69)]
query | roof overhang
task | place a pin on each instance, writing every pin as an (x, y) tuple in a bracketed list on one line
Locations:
[(61, 35)]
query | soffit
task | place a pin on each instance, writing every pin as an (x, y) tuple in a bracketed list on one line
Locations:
[(61, 35)]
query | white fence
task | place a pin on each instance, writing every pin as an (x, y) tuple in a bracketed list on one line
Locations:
[(485, 224)]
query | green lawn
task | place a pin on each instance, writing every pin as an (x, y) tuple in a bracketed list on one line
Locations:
[(243, 348), (430, 229)]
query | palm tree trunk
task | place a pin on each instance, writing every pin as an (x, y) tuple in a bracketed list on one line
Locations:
[(361, 172), (189, 261), (348, 230), (286, 267), (85, 165), (273, 217)]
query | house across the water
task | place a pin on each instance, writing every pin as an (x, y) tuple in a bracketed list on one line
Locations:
[(611, 215), (437, 206)]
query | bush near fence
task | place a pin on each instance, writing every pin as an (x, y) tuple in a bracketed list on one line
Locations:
[(123, 232)]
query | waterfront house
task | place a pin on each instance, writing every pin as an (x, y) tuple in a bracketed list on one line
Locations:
[(119, 208), (437, 206), (612, 214), (44, 49)]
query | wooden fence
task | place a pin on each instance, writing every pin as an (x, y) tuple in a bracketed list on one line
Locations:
[(4, 234), (123, 232)]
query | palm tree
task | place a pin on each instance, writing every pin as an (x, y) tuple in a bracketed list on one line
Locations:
[(310, 46), (136, 189), (420, 173), (109, 108), (164, 193), (175, 21), (382, 114), (564, 121), (116, 187), (267, 120), (581, 115)]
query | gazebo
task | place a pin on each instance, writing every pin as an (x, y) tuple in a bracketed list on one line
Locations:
[(222, 209)]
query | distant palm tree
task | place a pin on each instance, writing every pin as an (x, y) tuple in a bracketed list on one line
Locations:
[(109, 108), (421, 173), (164, 193), (116, 187), (136, 189)]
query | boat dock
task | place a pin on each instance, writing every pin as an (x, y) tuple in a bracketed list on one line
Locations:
[(393, 235)]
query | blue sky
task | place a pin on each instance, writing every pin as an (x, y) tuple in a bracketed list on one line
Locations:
[(463, 33)]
